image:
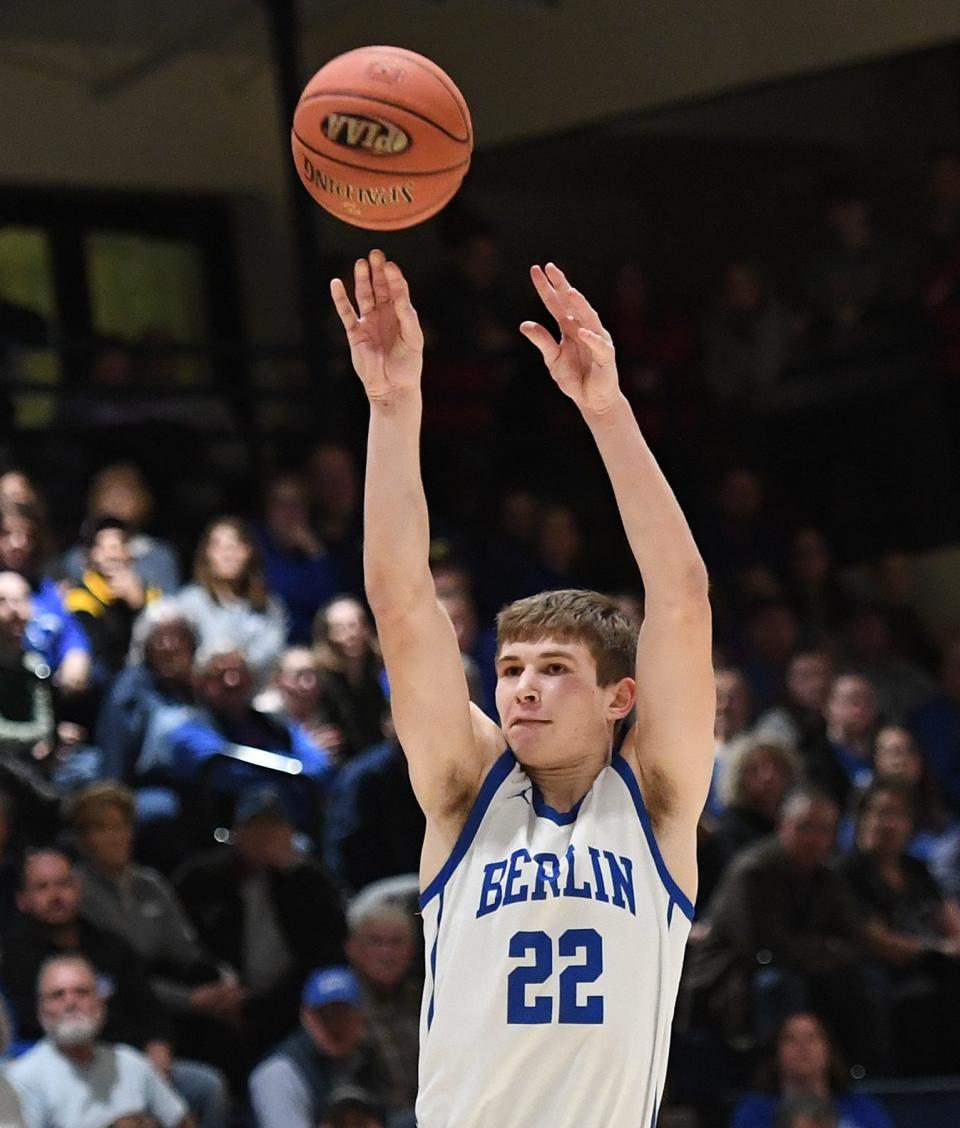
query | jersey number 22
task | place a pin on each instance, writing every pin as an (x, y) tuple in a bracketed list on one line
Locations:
[(526, 1006)]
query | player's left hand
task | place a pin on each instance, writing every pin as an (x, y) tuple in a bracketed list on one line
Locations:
[(582, 363)]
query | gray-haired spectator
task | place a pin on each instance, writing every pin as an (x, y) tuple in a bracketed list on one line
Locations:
[(71, 1079), (382, 948), (158, 677)]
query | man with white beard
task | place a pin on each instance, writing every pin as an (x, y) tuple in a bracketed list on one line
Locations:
[(70, 1079)]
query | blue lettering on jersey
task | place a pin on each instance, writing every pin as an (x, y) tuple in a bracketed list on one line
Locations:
[(521, 878)]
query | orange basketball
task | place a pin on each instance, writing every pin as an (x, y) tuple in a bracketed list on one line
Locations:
[(381, 137)]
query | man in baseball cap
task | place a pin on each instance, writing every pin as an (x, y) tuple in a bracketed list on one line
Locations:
[(294, 1086)]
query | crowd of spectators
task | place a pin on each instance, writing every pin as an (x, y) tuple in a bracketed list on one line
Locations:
[(208, 840)]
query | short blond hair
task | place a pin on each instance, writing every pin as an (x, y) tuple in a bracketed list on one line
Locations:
[(88, 802), (573, 615)]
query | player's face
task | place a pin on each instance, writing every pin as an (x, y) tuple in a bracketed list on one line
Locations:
[(549, 701)]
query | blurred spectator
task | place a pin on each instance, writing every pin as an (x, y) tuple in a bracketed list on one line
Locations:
[(896, 756), (913, 932), (210, 756), (298, 567), (807, 1112), (158, 677), (784, 933), (351, 1107), (330, 472), (353, 690), (850, 278), (295, 698), (49, 899), (229, 599), (120, 491), (139, 906), (798, 719), (263, 908), (374, 825), (26, 704), (381, 947), (755, 782), (806, 1067), (845, 764), (899, 684), (37, 757), (462, 614), (813, 587), (656, 350), (53, 633), (771, 637), (109, 597), (559, 556), (739, 541), (11, 1112), (731, 728), (747, 336), (895, 593), (940, 272), (72, 1079), (295, 1085), (936, 725), (509, 553)]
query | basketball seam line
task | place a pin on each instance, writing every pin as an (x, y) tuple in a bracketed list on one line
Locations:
[(366, 168), (383, 102), (445, 81)]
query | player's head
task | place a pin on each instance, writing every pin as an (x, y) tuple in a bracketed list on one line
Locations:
[(565, 673), (575, 616)]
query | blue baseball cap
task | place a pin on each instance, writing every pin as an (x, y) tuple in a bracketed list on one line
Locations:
[(331, 985)]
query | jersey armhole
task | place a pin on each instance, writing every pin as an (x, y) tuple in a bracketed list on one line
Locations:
[(677, 895), (498, 772)]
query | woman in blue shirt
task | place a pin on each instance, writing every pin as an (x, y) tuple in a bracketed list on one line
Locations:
[(805, 1065)]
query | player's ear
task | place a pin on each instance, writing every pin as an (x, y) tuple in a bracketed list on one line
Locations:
[(622, 701)]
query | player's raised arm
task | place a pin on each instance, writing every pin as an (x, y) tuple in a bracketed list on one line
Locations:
[(673, 738), (447, 747)]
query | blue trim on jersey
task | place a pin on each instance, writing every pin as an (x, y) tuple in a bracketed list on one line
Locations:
[(497, 774), (433, 963), (623, 769), (543, 809)]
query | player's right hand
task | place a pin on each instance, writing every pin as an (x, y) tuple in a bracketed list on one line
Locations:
[(383, 331)]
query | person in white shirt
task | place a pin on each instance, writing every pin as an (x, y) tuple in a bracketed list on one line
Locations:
[(70, 1079)]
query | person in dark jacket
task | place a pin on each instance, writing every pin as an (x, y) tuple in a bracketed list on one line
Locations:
[(374, 826), (296, 1084), (49, 900), (266, 910)]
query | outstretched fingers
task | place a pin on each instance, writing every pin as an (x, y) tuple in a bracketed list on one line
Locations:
[(544, 341), (599, 344), (343, 305), (378, 277), (363, 286), (399, 293)]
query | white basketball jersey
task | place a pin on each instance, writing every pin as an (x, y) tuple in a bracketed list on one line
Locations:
[(554, 944)]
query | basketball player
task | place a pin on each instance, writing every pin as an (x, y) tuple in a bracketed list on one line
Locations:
[(557, 877)]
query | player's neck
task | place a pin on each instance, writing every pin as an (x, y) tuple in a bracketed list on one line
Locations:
[(562, 786)]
